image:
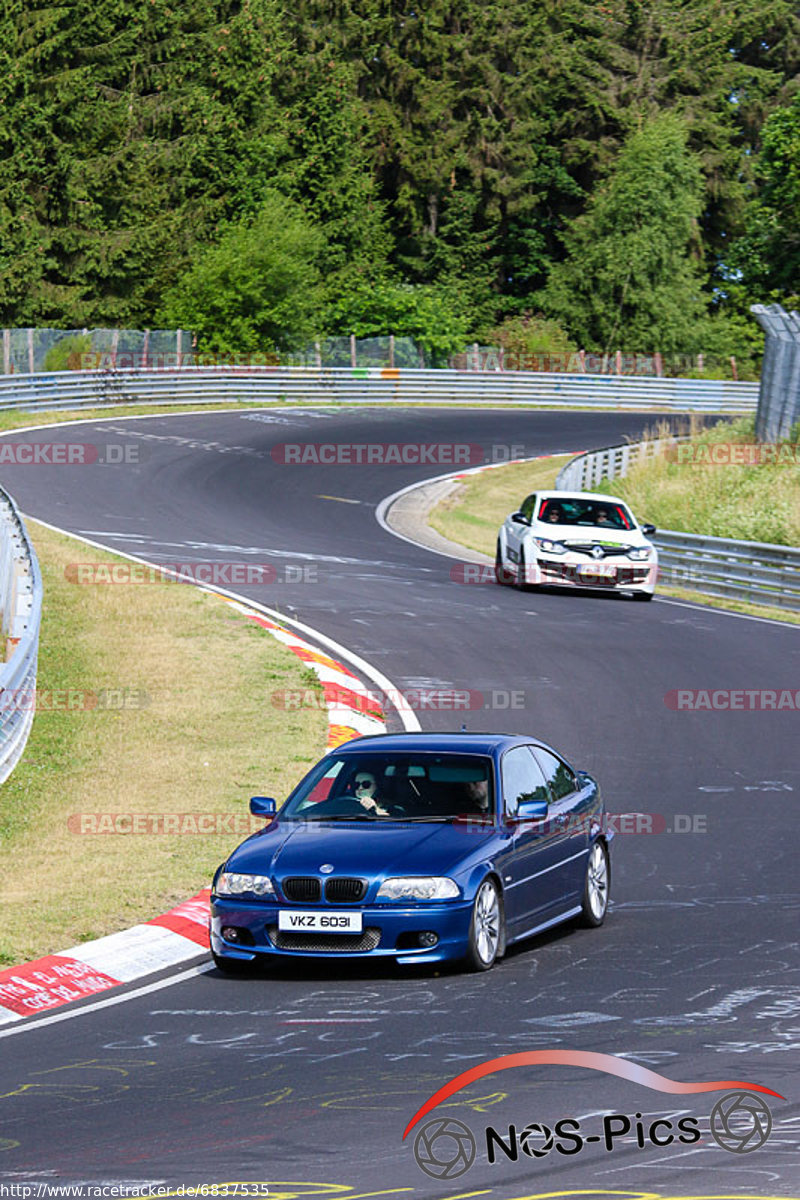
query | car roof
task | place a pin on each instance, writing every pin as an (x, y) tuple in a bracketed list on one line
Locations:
[(581, 496), (441, 743)]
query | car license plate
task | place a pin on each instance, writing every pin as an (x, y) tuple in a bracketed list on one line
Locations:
[(598, 571), (320, 922)]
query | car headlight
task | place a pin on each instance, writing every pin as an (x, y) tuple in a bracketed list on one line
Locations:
[(550, 547), (419, 887), (231, 883), (639, 552)]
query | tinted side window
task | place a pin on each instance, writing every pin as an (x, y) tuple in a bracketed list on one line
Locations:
[(561, 779), (528, 505), (522, 779)]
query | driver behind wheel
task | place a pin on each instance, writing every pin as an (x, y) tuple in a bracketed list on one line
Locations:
[(365, 786)]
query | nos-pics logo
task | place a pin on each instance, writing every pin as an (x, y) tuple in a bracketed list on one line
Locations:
[(445, 1148)]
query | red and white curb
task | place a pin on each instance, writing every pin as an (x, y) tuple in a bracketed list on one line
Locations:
[(182, 933), (346, 697)]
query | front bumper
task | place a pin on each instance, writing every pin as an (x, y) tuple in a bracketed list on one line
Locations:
[(390, 931), (606, 575)]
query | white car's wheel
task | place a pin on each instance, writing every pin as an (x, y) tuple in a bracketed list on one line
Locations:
[(521, 582), (501, 571)]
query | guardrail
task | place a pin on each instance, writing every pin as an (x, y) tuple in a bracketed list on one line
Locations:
[(20, 618), (587, 470), (207, 385), (755, 571)]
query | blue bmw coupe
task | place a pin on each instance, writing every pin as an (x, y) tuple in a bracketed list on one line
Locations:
[(420, 847)]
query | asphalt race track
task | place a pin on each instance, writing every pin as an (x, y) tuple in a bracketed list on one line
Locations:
[(308, 1076)]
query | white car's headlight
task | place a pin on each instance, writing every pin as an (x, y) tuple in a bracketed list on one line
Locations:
[(550, 547), (640, 552), (419, 887), (231, 883)]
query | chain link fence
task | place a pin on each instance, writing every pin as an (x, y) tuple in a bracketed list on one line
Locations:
[(779, 394), (34, 351)]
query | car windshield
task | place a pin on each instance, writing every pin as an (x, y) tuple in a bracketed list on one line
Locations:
[(387, 787), (596, 513)]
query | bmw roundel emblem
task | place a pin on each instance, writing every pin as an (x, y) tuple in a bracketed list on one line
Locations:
[(326, 868)]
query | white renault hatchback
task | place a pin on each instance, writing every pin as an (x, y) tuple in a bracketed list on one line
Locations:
[(577, 539)]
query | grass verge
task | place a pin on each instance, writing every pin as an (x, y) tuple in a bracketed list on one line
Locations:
[(183, 723), (473, 513), (15, 419), (758, 503)]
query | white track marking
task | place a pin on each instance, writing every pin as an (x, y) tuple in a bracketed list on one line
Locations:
[(406, 715), (68, 1013)]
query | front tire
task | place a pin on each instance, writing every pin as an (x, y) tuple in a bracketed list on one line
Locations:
[(596, 886), (501, 571), (487, 937), (521, 581), (642, 596)]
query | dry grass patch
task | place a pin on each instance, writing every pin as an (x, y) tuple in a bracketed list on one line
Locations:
[(758, 503), (473, 513), (11, 419), (189, 727)]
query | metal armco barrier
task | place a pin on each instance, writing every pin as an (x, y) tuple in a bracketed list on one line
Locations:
[(586, 470), (779, 394), (207, 385), (20, 618), (754, 571)]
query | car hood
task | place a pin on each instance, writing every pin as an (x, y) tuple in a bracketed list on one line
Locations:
[(575, 535), (358, 848)]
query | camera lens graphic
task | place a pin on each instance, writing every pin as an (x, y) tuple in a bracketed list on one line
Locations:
[(536, 1140), (444, 1148), (740, 1122)]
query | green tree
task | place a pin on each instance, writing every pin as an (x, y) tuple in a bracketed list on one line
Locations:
[(433, 317), (767, 256), (131, 131), (632, 278), (258, 289)]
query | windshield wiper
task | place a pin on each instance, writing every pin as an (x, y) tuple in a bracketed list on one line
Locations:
[(463, 817)]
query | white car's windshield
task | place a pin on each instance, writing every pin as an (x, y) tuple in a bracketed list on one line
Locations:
[(423, 787), (598, 514)]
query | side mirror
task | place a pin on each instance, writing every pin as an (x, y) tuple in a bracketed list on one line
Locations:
[(263, 806), (532, 810), (647, 530), (520, 518)]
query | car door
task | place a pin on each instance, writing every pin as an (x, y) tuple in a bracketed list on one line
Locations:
[(530, 887), (516, 530), (571, 802)]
